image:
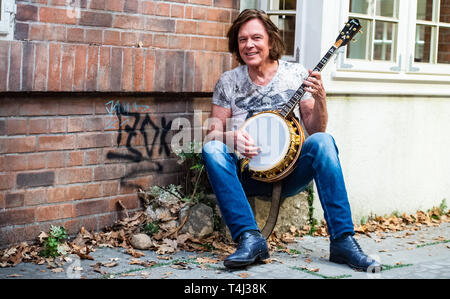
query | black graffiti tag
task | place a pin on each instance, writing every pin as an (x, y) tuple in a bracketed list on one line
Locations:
[(132, 131)]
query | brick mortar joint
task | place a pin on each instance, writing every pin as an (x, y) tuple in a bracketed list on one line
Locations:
[(126, 13), (69, 44)]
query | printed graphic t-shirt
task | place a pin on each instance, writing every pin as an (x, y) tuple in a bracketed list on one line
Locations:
[(236, 91)]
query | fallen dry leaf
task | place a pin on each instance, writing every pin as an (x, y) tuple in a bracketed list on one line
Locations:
[(42, 236), (180, 266), (97, 268), (164, 257), (134, 253), (57, 270), (110, 264), (84, 256), (165, 275), (168, 246), (243, 275), (142, 263), (311, 269), (206, 260), (135, 262)]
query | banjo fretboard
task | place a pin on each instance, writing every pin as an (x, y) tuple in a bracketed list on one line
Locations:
[(289, 106)]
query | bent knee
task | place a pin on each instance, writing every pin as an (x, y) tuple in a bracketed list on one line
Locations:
[(323, 140), (214, 147)]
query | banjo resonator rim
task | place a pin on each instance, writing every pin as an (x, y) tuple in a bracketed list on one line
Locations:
[(286, 165)]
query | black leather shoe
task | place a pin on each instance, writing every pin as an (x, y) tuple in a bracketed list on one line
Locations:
[(252, 248), (345, 250)]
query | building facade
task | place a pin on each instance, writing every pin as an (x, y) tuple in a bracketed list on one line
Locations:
[(388, 95), (91, 92)]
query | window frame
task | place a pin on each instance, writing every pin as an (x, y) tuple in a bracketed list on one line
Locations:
[(7, 11), (374, 66), (404, 62), (425, 67), (346, 76), (265, 5)]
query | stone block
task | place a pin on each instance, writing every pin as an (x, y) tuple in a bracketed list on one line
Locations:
[(294, 211), (200, 221)]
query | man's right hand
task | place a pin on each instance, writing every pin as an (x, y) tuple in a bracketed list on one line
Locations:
[(244, 144)]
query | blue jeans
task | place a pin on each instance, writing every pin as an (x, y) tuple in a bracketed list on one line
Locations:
[(318, 160)]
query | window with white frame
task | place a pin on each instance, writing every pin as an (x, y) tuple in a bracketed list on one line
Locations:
[(7, 11), (283, 14), (380, 20), (432, 36), (408, 36)]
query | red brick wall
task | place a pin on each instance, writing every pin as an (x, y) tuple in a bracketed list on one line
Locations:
[(63, 158), (62, 161), (117, 45)]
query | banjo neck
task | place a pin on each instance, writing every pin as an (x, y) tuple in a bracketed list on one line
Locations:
[(288, 108), (347, 33)]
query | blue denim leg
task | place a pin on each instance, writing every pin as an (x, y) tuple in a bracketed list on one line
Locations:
[(319, 161), (222, 170)]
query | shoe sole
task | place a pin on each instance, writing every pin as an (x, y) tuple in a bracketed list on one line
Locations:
[(339, 260), (239, 264)]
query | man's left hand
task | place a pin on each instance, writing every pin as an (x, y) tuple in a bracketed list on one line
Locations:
[(314, 85)]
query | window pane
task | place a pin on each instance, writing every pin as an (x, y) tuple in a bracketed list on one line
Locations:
[(425, 10), (359, 6), (384, 42), (360, 48), (387, 8), (286, 24), (424, 36), (283, 4), (445, 11), (444, 45), (289, 4), (249, 4)]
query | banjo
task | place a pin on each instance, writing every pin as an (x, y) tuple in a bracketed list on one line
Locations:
[(278, 133)]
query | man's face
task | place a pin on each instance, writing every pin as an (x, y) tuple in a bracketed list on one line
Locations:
[(253, 42)]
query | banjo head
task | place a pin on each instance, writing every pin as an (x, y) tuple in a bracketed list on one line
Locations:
[(271, 134)]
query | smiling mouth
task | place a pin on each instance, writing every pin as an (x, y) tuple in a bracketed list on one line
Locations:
[(251, 54)]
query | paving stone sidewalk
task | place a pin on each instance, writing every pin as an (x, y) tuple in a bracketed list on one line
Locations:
[(422, 254)]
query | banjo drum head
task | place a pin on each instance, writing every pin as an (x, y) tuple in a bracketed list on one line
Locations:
[(271, 134)]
